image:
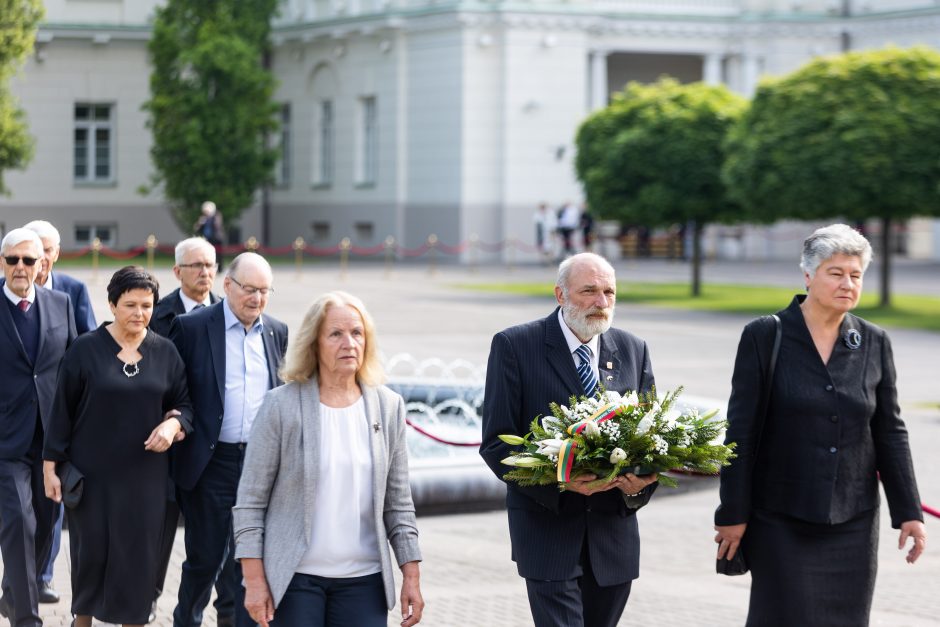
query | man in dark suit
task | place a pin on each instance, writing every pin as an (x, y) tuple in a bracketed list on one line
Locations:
[(36, 328), (195, 269), (232, 352), (77, 291), (578, 550), (84, 322)]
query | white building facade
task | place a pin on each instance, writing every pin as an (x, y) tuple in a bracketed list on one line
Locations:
[(404, 118)]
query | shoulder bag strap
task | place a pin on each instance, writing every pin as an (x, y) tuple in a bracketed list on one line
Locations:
[(768, 380)]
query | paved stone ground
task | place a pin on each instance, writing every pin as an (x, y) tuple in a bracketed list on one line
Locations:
[(467, 576)]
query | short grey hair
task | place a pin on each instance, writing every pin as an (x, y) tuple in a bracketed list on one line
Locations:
[(835, 239), (17, 237), (45, 230), (190, 244), (567, 266)]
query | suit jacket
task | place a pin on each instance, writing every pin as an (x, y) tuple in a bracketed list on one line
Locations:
[(200, 339), (830, 429), (25, 387), (278, 487), (81, 303), (167, 309), (530, 367)]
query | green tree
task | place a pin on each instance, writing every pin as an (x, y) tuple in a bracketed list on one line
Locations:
[(852, 136), (18, 22), (653, 157), (210, 107)]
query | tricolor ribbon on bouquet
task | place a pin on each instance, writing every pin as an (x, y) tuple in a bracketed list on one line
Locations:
[(605, 413), (566, 453)]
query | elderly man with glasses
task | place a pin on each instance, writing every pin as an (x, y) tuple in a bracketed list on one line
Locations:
[(36, 328), (232, 351)]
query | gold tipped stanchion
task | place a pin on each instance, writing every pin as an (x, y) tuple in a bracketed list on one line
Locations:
[(389, 255), (474, 242), (344, 246), (151, 247), (432, 254), (95, 251), (252, 244), (299, 245)]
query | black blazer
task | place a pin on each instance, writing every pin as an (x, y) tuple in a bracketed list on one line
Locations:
[(830, 428), (199, 337), (167, 309), (26, 386), (529, 367)]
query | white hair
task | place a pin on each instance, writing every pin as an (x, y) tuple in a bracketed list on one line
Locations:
[(834, 239), (565, 268), (45, 230), (190, 244), (17, 237)]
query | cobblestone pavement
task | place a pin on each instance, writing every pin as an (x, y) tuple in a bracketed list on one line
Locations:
[(467, 577)]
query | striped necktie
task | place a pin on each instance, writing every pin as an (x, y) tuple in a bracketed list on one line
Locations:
[(588, 380)]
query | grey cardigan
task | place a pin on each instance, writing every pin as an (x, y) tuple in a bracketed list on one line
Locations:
[(278, 487)]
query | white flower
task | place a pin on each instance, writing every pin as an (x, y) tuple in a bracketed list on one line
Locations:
[(550, 423), (629, 400), (524, 461), (550, 447), (646, 423), (662, 446), (565, 411), (617, 455), (591, 429), (612, 396)]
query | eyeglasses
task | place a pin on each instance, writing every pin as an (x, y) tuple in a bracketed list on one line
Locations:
[(251, 290), (12, 260), (199, 266)]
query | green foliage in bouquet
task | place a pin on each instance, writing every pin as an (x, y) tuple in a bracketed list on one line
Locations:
[(609, 434)]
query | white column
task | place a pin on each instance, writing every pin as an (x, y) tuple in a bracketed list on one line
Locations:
[(711, 70), (598, 79), (751, 73)]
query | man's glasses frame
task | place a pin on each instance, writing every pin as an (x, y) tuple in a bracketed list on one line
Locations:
[(251, 290), (199, 266), (12, 260)]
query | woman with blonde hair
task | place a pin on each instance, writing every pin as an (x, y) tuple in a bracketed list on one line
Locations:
[(325, 489)]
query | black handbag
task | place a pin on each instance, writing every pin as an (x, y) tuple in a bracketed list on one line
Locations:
[(738, 565), (73, 484)]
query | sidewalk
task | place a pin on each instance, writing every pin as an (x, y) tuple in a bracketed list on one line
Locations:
[(467, 577)]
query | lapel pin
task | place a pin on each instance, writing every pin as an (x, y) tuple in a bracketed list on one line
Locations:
[(610, 378), (610, 365), (375, 427)]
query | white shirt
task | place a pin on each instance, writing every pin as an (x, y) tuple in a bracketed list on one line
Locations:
[(343, 541), (574, 343), (13, 298), (246, 377), (189, 303)]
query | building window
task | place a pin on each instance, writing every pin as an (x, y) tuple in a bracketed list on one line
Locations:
[(321, 231), (85, 234), (365, 231), (282, 173), (367, 153), (94, 143), (323, 145)]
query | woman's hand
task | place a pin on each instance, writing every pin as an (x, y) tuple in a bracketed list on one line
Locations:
[(163, 435), (51, 483), (258, 599), (911, 529), (729, 539), (412, 604)]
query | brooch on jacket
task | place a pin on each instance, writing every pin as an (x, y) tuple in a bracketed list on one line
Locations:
[(852, 338)]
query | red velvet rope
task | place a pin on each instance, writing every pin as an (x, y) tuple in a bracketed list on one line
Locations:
[(441, 440)]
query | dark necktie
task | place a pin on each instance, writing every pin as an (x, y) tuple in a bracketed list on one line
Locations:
[(588, 380), (199, 306), (23, 305)]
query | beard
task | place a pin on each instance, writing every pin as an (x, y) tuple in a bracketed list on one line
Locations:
[(578, 320)]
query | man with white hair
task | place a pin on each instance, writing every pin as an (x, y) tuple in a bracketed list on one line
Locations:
[(36, 328), (579, 549), (77, 291)]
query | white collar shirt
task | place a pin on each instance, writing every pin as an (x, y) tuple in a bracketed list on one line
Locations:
[(13, 298), (574, 343), (189, 304), (246, 376)]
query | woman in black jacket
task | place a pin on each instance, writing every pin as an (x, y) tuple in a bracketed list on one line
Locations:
[(801, 497)]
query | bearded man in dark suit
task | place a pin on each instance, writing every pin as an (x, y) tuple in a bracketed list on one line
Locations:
[(577, 549)]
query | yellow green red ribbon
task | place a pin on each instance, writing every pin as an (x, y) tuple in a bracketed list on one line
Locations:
[(605, 413), (566, 460)]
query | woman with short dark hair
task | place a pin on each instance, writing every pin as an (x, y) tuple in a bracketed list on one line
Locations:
[(801, 497), (120, 404)]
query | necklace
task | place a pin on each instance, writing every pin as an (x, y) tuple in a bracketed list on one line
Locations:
[(131, 373)]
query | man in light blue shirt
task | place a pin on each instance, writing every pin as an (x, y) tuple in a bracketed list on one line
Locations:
[(232, 351)]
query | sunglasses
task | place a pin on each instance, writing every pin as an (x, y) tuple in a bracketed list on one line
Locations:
[(13, 260)]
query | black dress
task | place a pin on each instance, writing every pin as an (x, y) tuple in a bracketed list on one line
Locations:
[(805, 478), (100, 420)]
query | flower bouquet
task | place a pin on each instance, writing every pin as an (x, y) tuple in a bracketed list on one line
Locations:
[(609, 434)]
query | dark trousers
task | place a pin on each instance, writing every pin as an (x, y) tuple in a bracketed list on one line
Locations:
[(26, 521), (207, 515), (579, 602), (312, 601)]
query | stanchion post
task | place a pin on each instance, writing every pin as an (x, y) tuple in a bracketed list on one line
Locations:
[(151, 246), (344, 245), (389, 255), (299, 245), (474, 241), (95, 251), (432, 254), (251, 244)]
